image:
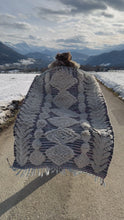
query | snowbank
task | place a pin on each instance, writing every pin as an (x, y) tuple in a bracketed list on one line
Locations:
[(113, 80), (12, 87)]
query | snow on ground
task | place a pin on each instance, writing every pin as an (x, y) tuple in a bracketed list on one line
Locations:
[(112, 79), (13, 87)]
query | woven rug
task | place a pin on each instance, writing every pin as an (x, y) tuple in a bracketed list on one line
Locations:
[(63, 124)]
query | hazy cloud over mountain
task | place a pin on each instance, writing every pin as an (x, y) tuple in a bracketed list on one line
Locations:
[(70, 40)]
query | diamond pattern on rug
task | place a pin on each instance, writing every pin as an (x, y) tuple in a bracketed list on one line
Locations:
[(64, 100), (60, 154), (61, 135)]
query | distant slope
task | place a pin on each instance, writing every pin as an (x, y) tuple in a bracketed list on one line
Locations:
[(36, 52), (41, 60), (24, 48), (79, 57), (113, 58), (8, 55), (47, 57), (38, 55)]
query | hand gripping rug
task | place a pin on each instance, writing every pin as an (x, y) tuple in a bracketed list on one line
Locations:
[(63, 124)]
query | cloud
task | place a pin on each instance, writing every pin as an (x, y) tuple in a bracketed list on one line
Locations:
[(27, 62), (72, 43), (70, 40), (72, 8), (16, 25), (63, 23), (101, 33), (80, 7), (51, 14), (121, 31), (68, 47), (21, 25), (107, 15), (84, 6), (31, 37), (116, 4), (118, 25), (45, 11), (90, 5), (8, 21), (6, 16)]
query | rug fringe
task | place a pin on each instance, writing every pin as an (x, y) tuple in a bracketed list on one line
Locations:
[(29, 172)]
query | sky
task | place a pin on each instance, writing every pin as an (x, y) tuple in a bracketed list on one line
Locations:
[(63, 24)]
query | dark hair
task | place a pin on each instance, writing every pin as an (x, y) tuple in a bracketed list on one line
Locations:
[(64, 56), (64, 59)]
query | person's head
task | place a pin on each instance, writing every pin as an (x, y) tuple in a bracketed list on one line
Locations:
[(64, 59), (64, 56)]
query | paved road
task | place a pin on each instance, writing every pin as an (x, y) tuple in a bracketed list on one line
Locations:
[(65, 197)]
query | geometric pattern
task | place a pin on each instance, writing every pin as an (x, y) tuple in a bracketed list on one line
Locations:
[(64, 99), (62, 81), (62, 135), (83, 160), (63, 123), (60, 154)]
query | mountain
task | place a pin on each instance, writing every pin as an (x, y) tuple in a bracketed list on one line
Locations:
[(38, 55), (113, 58), (44, 55), (49, 57), (8, 55), (79, 57), (24, 48), (41, 60)]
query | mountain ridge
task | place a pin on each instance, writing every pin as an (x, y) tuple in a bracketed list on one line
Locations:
[(111, 59), (8, 55), (45, 55)]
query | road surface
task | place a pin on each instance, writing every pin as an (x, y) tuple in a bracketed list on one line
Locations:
[(65, 197)]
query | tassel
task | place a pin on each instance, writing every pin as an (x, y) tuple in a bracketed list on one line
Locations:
[(18, 172), (96, 178), (102, 182), (14, 169), (9, 163), (39, 172), (25, 172), (28, 172), (22, 173), (74, 173), (63, 172), (57, 171), (32, 171), (47, 171), (52, 171), (42, 173)]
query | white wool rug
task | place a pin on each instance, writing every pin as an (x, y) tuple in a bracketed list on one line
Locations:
[(63, 124)]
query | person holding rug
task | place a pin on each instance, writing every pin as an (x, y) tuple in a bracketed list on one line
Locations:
[(63, 123)]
